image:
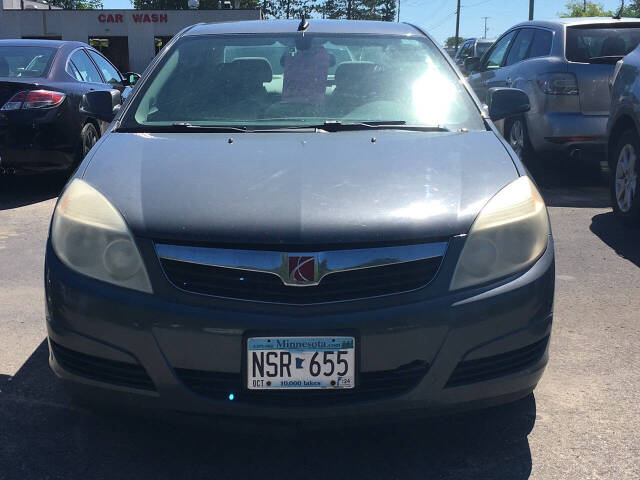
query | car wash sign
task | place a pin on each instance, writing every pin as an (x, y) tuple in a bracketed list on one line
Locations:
[(135, 18)]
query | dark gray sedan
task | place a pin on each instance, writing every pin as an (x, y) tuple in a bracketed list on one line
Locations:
[(301, 237)]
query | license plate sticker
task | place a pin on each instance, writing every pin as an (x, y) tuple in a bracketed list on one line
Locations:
[(300, 363)]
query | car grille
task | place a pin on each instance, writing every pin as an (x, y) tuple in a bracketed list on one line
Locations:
[(482, 369), (266, 287), (100, 369), (369, 386)]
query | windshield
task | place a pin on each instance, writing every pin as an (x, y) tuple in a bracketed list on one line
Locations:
[(295, 80), (23, 61), (584, 43)]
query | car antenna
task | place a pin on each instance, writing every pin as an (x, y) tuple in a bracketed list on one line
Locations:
[(618, 15), (303, 25)]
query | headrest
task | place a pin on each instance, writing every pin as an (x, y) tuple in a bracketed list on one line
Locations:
[(332, 59), (4, 67), (350, 73), (613, 45), (256, 68)]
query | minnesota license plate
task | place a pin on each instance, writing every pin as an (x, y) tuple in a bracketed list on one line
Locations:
[(275, 363)]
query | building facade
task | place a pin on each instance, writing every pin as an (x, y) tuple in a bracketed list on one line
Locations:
[(129, 38)]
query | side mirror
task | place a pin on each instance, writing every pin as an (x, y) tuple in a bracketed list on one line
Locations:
[(130, 79), (506, 102), (101, 104), (471, 64)]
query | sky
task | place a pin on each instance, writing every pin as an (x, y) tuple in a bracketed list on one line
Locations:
[(438, 17)]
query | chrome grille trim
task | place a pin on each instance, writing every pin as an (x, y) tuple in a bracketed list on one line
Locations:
[(276, 263)]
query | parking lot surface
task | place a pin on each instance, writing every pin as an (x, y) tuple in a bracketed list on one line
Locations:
[(583, 420)]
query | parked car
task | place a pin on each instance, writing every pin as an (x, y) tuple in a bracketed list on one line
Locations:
[(451, 51), (473, 47), (624, 140), (355, 244), (564, 66), (43, 125)]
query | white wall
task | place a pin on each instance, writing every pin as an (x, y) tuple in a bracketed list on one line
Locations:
[(81, 24)]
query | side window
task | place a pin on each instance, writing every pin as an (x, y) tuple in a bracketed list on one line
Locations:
[(496, 56), (73, 71), (520, 48), (109, 72), (86, 67), (541, 43)]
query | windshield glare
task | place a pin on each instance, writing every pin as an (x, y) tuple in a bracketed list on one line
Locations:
[(296, 80), (25, 62)]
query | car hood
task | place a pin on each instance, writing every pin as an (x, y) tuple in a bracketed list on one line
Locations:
[(299, 187)]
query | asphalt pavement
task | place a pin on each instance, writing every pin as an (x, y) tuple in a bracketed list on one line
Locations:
[(582, 422)]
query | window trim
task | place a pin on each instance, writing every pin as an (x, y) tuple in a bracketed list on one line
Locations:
[(526, 53), (104, 80), (93, 63), (495, 45)]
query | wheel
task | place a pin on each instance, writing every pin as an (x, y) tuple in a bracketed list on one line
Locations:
[(89, 136), (625, 195), (515, 132)]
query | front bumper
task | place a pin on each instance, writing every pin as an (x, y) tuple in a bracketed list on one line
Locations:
[(203, 334), (565, 132)]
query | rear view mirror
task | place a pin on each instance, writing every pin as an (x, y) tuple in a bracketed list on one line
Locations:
[(130, 78), (506, 102), (471, 64), (101, 104)]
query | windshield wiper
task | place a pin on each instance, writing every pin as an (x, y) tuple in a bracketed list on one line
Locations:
[(182, 127), (337, 126), (607, 59)]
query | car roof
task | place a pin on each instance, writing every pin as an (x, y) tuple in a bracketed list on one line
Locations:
[(315, 26), (40, 43), (561, 22)]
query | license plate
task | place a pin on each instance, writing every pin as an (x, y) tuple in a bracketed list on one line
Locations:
[(298, 363)]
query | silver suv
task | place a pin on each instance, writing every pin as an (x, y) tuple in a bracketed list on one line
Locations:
[(564, 66)]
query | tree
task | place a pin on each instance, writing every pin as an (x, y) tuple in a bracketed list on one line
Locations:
[(451, 41), (576, 8), (77, 4)]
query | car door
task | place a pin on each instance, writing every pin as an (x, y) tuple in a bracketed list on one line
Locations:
[(489, 74), (518, 53)]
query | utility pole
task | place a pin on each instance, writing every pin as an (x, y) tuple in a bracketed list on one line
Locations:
[(348, 9), (530, 9), (584, 6), (399, 10), (485, 26), (458, 24)]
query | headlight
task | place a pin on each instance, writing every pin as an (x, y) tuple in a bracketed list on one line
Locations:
[(510, 233), (90, 236)]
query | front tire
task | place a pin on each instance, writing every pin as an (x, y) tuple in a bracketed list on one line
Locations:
[(515, 132), (624, 178)]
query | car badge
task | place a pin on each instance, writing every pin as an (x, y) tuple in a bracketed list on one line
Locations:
[(302, 270)]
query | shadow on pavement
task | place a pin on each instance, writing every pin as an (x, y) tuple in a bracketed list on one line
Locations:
[(45, 436), (578, 183), (625, 241), (18, 191)]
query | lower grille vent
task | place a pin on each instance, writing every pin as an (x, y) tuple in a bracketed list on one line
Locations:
[(101, 369), (369, 386), (482, 369)]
